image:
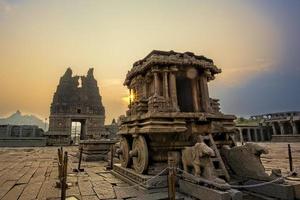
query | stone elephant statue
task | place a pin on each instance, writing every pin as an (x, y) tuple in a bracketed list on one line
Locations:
[(198, 157)]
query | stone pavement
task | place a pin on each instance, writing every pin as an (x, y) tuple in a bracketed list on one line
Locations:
[(278, 156), (31, 173)]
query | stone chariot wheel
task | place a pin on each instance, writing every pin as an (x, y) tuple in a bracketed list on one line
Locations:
[(139, 154), (124, 154)]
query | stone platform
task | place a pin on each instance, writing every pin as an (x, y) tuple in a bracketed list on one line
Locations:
[(143, 181), (22, 141), (95, 150)]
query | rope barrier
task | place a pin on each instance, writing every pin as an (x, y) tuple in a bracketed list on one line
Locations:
[(245, 186), (212, 182)]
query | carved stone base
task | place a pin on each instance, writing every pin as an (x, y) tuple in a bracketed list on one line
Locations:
[(204, 193), (133, 178), (95, 150)]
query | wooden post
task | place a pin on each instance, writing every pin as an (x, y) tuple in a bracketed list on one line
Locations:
[(290, 157), (59, 153), (171, 176), (64, 177)]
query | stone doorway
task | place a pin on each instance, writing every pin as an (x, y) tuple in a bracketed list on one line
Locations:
[(184, 94), (78, 130)]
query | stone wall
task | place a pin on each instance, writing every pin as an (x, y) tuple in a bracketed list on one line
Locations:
[(21, 136)]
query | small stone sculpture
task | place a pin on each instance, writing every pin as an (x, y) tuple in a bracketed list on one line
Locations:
[(197, 157)]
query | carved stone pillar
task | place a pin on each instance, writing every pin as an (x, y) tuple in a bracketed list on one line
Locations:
[(204, 99), (241, 135), (256, 135), (145, 92), (21, 131), (195, 94), (173, 90), (294, 126), (281, 128), (166, 85), (33, 134), (156, 84), (249, 135), (263, 136), (8, 131), (274, 129)]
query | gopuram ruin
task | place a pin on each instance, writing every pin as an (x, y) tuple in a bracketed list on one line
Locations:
[(76, 99), (172, 119)]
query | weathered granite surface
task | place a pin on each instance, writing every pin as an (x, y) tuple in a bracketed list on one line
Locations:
[(30, 173), (76, 99)]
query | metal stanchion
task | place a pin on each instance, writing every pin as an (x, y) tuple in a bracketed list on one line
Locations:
[(59, 153)]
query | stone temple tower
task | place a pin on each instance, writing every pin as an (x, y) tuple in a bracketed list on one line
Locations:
[(76, 100)]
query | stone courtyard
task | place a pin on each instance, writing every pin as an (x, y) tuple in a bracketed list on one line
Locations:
[(31, 173)]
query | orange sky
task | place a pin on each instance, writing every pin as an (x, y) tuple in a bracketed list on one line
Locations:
[(39, 40)]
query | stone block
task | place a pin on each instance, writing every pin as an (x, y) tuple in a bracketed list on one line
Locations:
[(203, 193), (280, 191)]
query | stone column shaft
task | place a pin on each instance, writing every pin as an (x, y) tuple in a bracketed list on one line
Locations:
[(274, 129), (33, 131), (21, 131), (173, 90), (241, 135), (145, 92), (195, 95), (156, 84), (166, 86), (295, 131), (281, 128), (255, 135), (8, 131), (249, 135), (205, 104), (262, 133)]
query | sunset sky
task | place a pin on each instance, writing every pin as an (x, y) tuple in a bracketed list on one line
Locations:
[(256, 44)]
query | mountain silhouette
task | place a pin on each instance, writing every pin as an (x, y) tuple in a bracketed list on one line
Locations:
[(18, 118)]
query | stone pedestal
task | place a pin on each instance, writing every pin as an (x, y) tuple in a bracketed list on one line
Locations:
[(205, 193), (95, 150), (144, 182)]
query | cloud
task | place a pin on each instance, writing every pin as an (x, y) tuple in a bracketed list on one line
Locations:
[(111, 82), (243, 73), (5, 7)]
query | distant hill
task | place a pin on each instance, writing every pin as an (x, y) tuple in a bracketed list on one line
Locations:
[(18, 119)]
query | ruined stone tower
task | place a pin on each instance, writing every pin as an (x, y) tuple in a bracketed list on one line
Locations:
[(76, 99)]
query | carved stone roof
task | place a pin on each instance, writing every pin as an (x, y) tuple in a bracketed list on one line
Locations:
[(170, 58)]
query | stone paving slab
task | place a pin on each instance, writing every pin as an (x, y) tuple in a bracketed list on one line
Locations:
[(31, 173)]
